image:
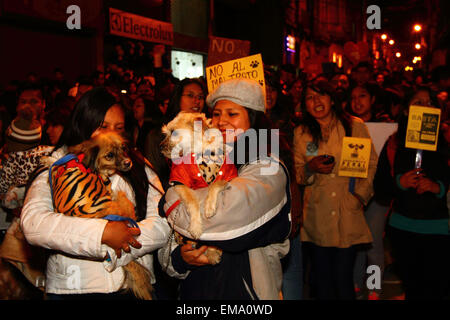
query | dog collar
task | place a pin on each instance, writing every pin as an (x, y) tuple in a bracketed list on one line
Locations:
[(70, 160), (73, 161)]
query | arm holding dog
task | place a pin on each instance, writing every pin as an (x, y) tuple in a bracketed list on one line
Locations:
[(44, 227), (154, 230), (118, 236), (259, 197), (172, 258)]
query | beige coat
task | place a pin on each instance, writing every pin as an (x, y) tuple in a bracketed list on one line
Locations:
[(333, 217)]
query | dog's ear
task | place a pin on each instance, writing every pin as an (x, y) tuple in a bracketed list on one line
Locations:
[(165, 130), (90, 150), (79, 148), (90, 157)]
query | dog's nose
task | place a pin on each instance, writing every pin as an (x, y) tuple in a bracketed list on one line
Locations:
[(127, 164)]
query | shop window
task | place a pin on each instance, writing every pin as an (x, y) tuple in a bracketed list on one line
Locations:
[(187, 64)]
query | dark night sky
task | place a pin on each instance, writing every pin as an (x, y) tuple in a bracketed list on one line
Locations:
[(399, 16)]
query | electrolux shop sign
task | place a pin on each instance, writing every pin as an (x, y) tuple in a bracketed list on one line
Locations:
[(141, 28)]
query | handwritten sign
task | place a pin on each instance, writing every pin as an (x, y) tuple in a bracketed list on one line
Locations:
[(355, 157), (141, 28), (250, 67), (423, 128)]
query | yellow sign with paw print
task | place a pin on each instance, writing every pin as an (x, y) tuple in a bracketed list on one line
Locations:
[(250, 67), (355, 156)]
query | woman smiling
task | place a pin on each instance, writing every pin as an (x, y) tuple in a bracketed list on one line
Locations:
[(251, 223), (333, 210)]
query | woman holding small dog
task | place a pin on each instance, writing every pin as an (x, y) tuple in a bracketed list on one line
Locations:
[(251, 223), (77, 267)]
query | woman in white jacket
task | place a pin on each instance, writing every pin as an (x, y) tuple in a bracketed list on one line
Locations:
[(77, 267)]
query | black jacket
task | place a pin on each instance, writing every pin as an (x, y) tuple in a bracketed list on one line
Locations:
[(408, 203)]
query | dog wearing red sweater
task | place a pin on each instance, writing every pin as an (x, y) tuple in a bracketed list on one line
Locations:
[(199, 160)]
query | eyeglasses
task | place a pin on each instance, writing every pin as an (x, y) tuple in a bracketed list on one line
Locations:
[(193, 96)]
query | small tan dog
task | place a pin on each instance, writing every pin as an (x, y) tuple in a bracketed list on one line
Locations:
[(198, 160), (82, 188)]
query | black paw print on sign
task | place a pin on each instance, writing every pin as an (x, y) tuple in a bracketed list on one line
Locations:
[(261, 82), (254, 64)]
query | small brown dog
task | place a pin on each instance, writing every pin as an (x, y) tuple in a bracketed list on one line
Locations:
[(198, 157), (82, 188)]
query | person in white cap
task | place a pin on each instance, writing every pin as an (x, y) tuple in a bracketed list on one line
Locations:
[(252, 220)]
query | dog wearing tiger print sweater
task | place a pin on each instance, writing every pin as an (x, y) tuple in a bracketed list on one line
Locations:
[(81, 188)]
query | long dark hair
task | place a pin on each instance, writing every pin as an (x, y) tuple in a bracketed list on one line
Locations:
[(259, 121), (86, 117), (174, 103), (311, 124)]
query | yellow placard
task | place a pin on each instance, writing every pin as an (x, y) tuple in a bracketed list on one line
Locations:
[(250, 67), (355, 156), (423, 128)]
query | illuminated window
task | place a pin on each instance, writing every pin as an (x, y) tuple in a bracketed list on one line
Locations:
[(186, 64)]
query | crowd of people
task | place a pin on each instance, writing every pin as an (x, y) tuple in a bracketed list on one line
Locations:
[(304, 232)]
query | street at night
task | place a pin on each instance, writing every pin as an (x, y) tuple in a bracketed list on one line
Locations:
[(189, 151)]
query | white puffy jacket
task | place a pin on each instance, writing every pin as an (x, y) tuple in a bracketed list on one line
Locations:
[(76, 264)]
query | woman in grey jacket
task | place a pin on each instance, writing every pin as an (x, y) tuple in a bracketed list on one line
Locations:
[(77, 267), (252, 220)]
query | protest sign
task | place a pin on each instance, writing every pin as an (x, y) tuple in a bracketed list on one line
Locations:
[(250, 67), (423, 128), (223, 49), (355, 156)]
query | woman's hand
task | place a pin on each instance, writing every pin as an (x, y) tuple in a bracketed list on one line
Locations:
[(317, 164), (118, 236), (425, 184), (411, 178), (194, 256)]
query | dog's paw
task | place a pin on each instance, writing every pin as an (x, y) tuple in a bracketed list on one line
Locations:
[(211, 202), (210, 209), (195, 230), (214, 255)]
